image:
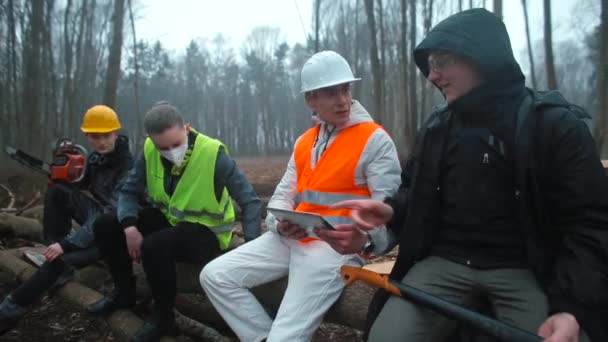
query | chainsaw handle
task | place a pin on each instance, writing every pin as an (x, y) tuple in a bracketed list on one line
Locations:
[(350, 274)]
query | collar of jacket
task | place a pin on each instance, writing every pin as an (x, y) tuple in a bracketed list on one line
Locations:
[(441, 117)]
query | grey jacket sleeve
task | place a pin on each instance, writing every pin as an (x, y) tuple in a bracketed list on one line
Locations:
[(242, 192), (131, 192)]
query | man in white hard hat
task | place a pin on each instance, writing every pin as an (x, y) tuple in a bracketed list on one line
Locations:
[(345, 155)]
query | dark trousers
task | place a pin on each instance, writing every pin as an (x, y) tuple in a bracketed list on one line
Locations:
[(62, 203), (162, 246), (44, 278)]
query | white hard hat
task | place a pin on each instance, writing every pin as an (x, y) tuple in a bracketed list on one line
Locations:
[(325, 69)]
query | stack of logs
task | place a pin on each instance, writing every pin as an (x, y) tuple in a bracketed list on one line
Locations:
[(195, 318), (350, 310)]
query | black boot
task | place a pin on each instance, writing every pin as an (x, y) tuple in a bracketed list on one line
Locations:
[(10, 314), (157, 325), (122, 297)]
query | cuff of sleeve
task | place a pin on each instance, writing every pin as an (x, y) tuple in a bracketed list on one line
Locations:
[(128, 222), (271, 223), (65, 245)]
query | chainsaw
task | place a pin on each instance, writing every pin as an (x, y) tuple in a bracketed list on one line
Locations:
[(68, 165)]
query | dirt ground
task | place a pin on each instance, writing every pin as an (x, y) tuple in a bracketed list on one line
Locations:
[(54, 320), (263, 173)]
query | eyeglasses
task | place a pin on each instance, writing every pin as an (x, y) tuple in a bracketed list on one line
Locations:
[(438, 63)]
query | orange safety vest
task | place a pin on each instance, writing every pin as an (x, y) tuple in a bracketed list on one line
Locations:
[(333, 178)]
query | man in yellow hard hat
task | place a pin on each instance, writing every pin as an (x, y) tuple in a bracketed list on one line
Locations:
[(100, 124), (83, 202)]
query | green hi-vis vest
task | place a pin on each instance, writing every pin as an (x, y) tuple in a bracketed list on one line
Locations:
[(194, 197)]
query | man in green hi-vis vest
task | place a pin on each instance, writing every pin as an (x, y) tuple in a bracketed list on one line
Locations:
[(189, 180)]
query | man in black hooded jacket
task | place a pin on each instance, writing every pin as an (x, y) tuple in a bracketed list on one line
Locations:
[(504, 197)]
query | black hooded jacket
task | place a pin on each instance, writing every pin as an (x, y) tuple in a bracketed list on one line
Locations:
[(561, 189), (478, 225)]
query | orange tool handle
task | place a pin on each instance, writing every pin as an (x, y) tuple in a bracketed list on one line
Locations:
[(350, 274)]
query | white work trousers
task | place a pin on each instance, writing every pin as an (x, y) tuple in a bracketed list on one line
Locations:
[(314, 285)]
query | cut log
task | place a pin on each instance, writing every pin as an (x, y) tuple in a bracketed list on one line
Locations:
[(350, 310), (123, 323), (21, 227), (34, 212)]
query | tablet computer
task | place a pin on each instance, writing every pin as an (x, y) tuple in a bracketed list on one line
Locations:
[(301, 218)]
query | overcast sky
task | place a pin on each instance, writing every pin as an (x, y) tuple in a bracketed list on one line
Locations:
[(176, 22)]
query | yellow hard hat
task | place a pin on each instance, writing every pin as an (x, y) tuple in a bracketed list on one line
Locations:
[(100, 119)]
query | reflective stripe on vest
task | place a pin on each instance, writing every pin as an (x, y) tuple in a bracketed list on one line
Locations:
[(181, 214), (335, 220), (328, 198), (333, 178)]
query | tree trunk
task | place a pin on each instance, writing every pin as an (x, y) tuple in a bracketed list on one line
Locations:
[(87, 70), (138, 125), (32, 78), (384, 115), (317, 23), (424, 84), (413, 75), (375, 60), (358, 89), (13, 79), (529, 43), (498, 8), (601, 124), (113, 72), (50, 87), (551, 76), (75, 88), (404, 72), (68, 52)]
